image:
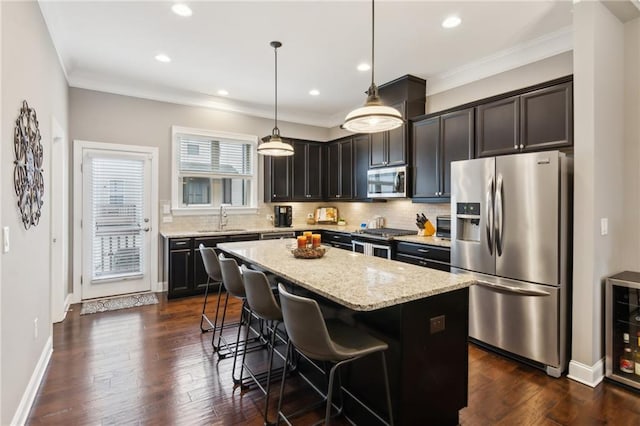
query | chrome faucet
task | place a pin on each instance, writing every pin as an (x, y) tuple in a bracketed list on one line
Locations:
[(222, 217)]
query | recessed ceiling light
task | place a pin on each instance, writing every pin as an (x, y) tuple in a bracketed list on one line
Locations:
[(163, 58), (451, 22), (314, 92), (181, 9), (364, 67), (222, 92)]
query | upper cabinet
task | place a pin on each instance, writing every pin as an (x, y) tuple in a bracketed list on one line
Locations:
[(278, 178), (340, 169), (389, 148), (437, 141), (392, 148), (530, 121), (295, 178), (360, 166), (307, 171)]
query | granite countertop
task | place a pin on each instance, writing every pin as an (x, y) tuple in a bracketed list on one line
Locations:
[(434, 241), (361, 283), (204, 233)]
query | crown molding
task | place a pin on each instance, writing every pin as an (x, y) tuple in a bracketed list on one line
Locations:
[(532, 51)]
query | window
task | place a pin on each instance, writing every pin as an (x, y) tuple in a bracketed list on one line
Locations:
[(213, 168)]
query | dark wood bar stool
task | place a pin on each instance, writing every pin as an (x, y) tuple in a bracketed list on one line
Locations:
[(331, 341)]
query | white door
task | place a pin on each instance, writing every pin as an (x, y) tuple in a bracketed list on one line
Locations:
[(116, 220), (58, 196)]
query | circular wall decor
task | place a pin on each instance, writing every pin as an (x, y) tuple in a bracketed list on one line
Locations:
[(27, 174)]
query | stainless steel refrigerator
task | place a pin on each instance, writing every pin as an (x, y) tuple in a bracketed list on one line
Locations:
[(510, 228)]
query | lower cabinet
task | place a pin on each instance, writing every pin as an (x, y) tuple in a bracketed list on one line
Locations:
[(337, 239), (435, 257), (186, 275)]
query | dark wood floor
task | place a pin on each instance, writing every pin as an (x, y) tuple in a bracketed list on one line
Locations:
[(151, 365)]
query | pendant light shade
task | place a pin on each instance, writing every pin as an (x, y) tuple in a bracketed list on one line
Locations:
[(373, 116), (275, 146)]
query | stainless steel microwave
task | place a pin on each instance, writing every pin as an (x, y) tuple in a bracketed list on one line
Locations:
[(387, 182)]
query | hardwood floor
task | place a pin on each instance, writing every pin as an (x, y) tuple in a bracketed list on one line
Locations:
[(151, 365)]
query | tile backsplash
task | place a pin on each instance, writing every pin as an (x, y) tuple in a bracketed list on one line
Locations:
[(397, 214)]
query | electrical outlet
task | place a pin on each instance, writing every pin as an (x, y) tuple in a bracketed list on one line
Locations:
[(436, 324), (167, 219), (604, 226), (35, 328), (270, 217), (5, 238)]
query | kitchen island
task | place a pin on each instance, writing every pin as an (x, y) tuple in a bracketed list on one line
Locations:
[(420, 312)]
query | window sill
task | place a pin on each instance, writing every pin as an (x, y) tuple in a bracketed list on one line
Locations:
[(201, 211)]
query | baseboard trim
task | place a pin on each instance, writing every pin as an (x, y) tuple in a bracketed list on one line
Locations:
[(162, 286), (590, 375), (67, 304), (22, 413)]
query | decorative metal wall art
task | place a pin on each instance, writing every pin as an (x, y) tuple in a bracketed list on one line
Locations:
[(27, 174)]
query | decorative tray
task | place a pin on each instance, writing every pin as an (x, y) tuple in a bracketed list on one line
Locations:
[(308, 253)]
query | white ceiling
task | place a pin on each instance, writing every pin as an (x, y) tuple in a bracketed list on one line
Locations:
[(110, 46)]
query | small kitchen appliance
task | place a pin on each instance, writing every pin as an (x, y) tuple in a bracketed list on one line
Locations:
[(282, 216)]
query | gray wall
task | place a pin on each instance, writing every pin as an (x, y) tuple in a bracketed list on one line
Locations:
[(31, 71), (103, 117)]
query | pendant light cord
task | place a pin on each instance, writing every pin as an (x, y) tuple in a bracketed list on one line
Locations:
[(373, 35), (275, 129)]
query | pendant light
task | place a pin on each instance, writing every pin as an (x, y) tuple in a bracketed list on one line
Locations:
[(275, 146), (373, 116)]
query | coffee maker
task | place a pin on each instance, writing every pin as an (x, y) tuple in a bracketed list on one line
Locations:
[(282, 216)]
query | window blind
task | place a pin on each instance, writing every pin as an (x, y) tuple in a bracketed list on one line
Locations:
[(214, 156), (117, 216)]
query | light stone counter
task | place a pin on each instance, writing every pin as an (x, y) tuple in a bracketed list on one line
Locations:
[(434, 241), (187, 233), (358, 282)]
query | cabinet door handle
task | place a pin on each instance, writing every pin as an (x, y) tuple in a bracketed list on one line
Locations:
[(181, 243), (274, 195), (521, 146), (424, 250), (335, 237)]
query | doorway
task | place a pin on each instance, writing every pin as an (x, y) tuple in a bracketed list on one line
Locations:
[(115, 192)]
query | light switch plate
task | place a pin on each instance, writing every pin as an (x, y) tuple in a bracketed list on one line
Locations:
[(604, 226), (5, 239), (166, 209)]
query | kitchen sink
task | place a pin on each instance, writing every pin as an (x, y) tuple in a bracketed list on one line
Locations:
[(217, 231)]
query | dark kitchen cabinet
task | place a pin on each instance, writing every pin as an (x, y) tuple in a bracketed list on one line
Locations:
[(278, 172), (360, 166), (186, 275), (340, 169), (389, 148), (437, 141), (435, 257), (337, 239), (180, 270), (297, 177), (307, 171), (547, 118), (529, 121), (498, 127)]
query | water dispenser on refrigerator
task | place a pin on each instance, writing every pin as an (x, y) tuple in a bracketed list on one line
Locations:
[(468, 221)]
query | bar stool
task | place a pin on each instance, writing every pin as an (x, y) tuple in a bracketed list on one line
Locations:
[(212, 267), (332, 341), (263, 304), (233, 282)]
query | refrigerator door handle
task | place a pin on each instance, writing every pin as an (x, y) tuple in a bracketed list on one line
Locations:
[(499, 212), (510, 289), (489, 210)]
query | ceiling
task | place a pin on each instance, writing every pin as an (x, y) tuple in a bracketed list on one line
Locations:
[(110, 46)]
